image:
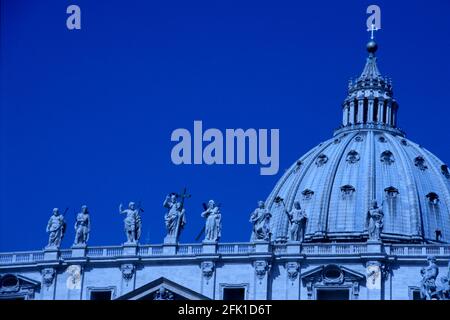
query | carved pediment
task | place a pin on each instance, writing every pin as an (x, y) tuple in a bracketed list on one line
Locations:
[(15, 285), (332, 275), (163, 289)]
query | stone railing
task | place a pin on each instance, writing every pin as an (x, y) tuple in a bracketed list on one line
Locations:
[(225, 249), (418, 250)]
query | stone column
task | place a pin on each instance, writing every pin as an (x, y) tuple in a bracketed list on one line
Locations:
[(360, 110), (370, 111), (380, 110), (352, 113)]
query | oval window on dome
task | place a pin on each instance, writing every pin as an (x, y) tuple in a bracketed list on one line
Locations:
[(382, 139)]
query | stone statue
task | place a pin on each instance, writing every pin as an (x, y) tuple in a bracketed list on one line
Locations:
[(132, 222), (375, 217), (428, 283), (56, 227), (82, 227), (213, 225), (261, 222), (297, 218), (175, 218), (443, 289)]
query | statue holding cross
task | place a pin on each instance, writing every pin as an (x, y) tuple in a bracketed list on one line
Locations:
[(175, 217)]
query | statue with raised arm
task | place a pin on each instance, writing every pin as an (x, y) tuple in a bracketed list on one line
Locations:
[(428, 283), (175, 218), (375, 225), (56, 228), (82, 227), (132, 222), (260, 218), (213, 224), (297, 219)]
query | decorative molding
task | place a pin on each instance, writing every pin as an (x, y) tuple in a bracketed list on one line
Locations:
[(207, 269), (48, 274), (127, 271), (262, 267), (292, 269)]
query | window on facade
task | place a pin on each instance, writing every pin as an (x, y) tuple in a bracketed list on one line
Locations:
[(415, 294), (333, 294), (101, 295), (233, 293)]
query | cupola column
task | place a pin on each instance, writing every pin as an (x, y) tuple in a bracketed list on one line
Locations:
[(352, 112)]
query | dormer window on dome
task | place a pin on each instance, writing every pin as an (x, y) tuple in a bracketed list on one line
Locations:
[(445, 171), (307, 194), (347, 191), (352, 156), (433, 198), (419, 162), (387, 157), (321, 160), (391, 192)]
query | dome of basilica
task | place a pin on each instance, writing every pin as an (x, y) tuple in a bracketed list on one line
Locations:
[(367, 159)]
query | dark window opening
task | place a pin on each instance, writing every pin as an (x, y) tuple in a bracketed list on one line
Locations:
[(333, 294), (384, 111), (365, 110), (416, 295), (101, 295), (233, 293), (355, 114), (375, 110)]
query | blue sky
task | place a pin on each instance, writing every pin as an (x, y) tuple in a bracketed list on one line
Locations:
[(86, 116)]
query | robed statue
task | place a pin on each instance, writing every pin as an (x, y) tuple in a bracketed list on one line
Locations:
[(132, 222), (56, 228), (82, 227), (375, 222), (175, 217), (260, 218), (297, 222), (213, 224), (428, 284)]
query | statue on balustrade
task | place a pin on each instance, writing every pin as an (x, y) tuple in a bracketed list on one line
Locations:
[(132, 222), (261, 222), (429, 274), (175, 218), (297, 219), (82, 227), (56, 228), (375, 221), (213, 224)]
